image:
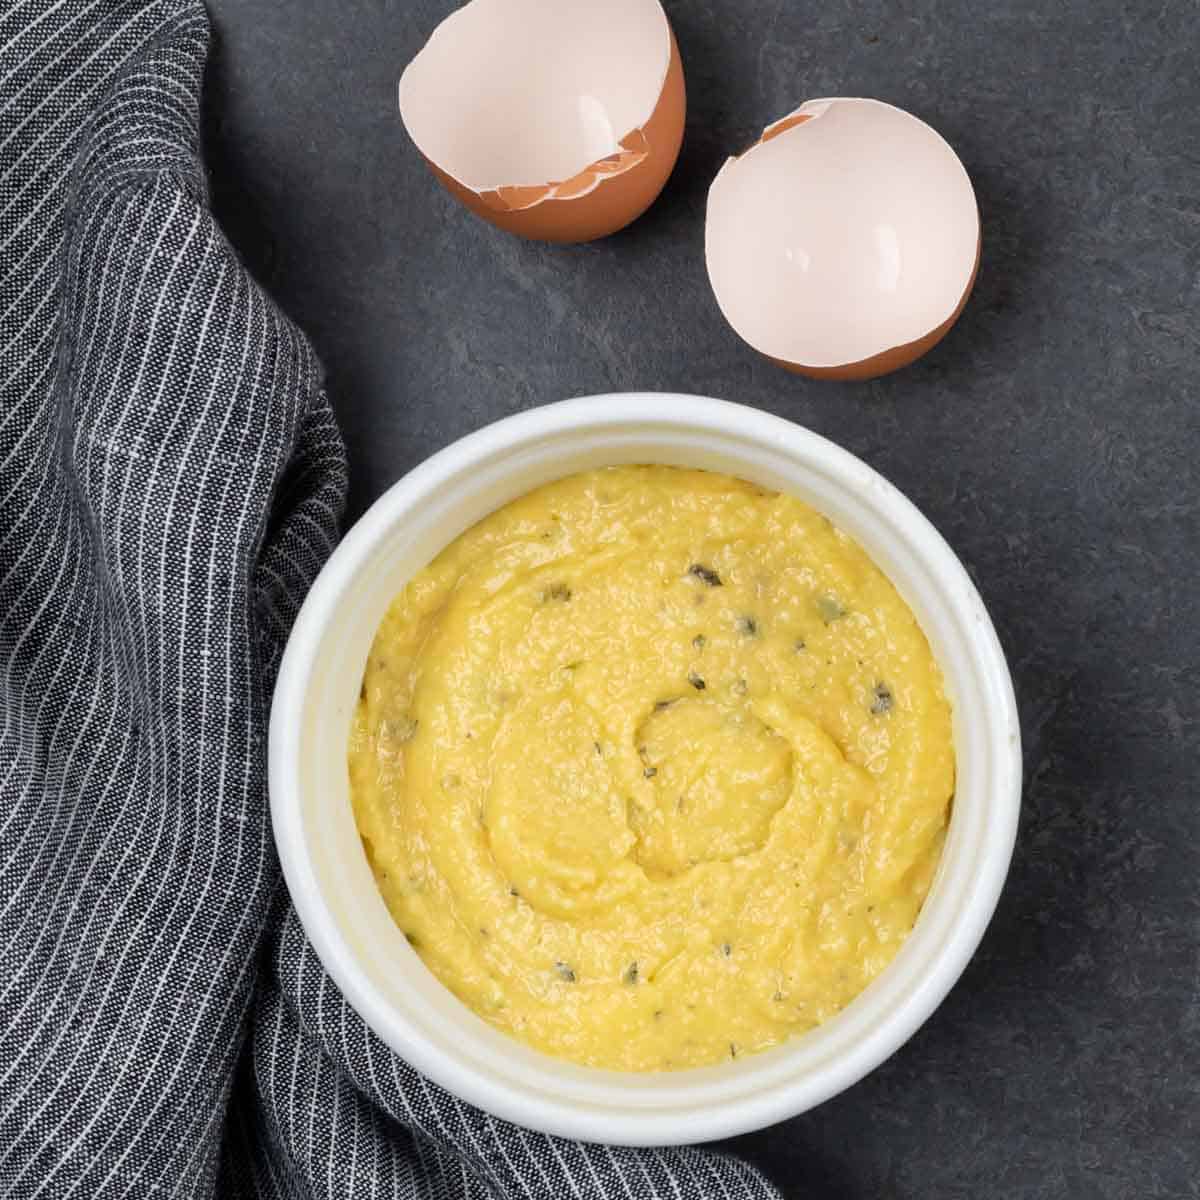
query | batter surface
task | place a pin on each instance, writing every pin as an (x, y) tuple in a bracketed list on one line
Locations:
[(653, 768)]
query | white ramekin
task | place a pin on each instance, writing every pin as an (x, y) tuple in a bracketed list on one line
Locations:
[(323, 859)]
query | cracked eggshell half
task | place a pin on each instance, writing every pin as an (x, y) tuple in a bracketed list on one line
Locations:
[(559, 122), (845, 242)]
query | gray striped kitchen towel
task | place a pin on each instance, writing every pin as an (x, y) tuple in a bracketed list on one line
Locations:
[(171, 478)]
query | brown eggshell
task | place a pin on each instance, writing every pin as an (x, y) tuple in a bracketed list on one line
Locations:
[(607, 195), (604, 197), (862, 235)]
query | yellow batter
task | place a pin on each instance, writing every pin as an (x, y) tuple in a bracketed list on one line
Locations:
[(653, 767)]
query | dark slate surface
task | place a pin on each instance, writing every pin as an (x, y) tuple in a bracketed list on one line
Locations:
[(1052, 438)]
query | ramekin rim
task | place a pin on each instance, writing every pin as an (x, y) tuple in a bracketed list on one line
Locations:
[(641, 1126)]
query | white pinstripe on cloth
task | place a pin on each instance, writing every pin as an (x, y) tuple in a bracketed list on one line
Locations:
[(171, 479)]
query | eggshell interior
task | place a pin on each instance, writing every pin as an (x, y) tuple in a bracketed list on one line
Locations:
[(522, 93), (844, 242)]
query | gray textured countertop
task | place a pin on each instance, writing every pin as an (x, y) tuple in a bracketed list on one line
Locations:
[(1052, 438)]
